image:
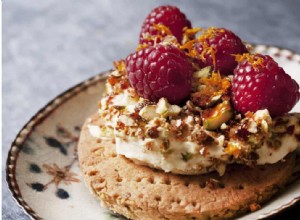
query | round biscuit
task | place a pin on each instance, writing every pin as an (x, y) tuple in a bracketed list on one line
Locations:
[(140, 192)]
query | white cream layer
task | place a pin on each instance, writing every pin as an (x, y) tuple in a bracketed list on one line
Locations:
[(172, 160), (200, 161)]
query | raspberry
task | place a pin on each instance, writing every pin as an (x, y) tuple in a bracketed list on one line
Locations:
[(160, 71), (169, 16), (216, 47), (259, 83)]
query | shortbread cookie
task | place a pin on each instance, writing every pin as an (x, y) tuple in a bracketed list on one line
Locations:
[(140, 192)]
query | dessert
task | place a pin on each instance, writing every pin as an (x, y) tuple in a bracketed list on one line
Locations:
[(191, 114)]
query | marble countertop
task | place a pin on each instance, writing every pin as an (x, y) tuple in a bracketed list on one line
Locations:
[(50, 45)]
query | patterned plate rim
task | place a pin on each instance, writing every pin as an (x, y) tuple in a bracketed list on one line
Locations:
[(24, 133)]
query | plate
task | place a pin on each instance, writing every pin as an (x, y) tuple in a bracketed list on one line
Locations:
[(42, 168)]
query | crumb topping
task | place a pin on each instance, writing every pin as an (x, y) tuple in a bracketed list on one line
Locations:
[(207, 122)]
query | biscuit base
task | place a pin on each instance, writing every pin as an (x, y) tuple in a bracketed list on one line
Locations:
[(140, 192)]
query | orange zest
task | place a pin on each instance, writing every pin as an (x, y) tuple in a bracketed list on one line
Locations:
[(141, 46), (120, 65), (233, 150), (207, 50), (189, 48), (215, 84), (189, 34), (254, 60), (211, 90), (209, 33), (162, 29), (162, 32)]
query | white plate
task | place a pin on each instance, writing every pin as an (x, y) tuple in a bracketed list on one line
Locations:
[(42, 167)]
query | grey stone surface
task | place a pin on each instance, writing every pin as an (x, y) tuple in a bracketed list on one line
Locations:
[(51, 45)]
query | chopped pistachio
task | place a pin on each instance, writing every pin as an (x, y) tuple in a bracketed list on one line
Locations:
[(163, 132), (173, 110), (130, 108), (252, 127), (126, 120), (169, 40), (224, 126), (104, 102), (186, 156), (148, 112), (264, 126), (162, 106), (216, 98), (203, 73), (108, 88), (221, 140), (262, 115), (253, 140), (189, 119), (116, 73), (201, 87), (98, 131), (213, 100), (221, 168), (165, 109), (219, 115)]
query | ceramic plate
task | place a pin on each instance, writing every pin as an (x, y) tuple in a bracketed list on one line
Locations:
[(42, 168)]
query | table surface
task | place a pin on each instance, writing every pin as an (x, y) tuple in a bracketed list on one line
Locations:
[(50, 45)]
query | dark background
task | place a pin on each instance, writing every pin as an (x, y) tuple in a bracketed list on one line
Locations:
[(50, 45)]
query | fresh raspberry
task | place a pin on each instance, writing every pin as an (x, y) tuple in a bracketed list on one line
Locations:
[(259, 83), (216, 48), (160, 71), (169, 16)]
